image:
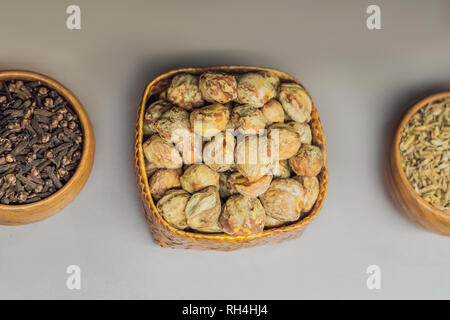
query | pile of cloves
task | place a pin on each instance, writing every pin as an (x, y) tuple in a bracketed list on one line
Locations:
[(41, 141)]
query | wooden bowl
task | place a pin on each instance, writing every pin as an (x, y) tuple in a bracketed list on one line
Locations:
[(167, 236), (33, 212), (413, 205)]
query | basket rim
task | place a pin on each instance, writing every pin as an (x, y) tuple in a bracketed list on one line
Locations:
[(140, 160)]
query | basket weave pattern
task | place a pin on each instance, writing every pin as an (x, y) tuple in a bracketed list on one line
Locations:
[(168, 236)]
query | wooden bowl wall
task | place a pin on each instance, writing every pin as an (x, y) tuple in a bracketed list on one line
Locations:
[(30, 213), (168, 236), (407, 199)]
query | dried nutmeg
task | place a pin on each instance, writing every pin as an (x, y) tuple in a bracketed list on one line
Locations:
[(209, 120), (295, 101), (242, 216), (281, 170), (271, 77), (312, 188), (163, 180), (308, 161), (287, 141), (273, 112), (153, 113), (284, 199), (163, 95), (218, 153), (252, 157), (197, 177), (254, 89), (303, 129), (161, 153), (225, 188), (272, 222), (173, 125), (191, 148), (218, 87), (203, 210), (184, 91), (250, 189), (150, 168), (248, 119), (172, 207), (250, 148)]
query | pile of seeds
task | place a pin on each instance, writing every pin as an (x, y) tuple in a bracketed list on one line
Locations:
[(425, 152), (40, 142)]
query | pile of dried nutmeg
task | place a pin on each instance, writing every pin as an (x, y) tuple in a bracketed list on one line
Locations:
[(425, 152), (231, 153), (40, 142)]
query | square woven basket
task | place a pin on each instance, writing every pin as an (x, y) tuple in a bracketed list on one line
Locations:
[(168, 236)]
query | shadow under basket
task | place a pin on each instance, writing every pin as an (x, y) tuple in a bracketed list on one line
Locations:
[(167, 236)]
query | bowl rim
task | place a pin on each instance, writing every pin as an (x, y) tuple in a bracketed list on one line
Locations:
[(85, 122), (397, 156), (141, 162)]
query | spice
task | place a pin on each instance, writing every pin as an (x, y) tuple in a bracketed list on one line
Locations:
[(152, 114), (308, 161), (282, 170), (41, 141), (284, 199), (190, 149), (184, 91), (312, 188), (273, 112), (218, 154), (425, 153), (163, 180), (173, 125), (270, 222), (225, 188), (240, 147), (251, 189), (254, 89), (161, 153), (242, 216), (287, 140), (248, 119), (203, 210), (271, 77), (252, 157), (295, 101), (218, 87), (197, 177), (303, 129), (172, 207), (210, 120)]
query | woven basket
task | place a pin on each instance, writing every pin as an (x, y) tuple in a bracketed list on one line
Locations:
[(168, 236)]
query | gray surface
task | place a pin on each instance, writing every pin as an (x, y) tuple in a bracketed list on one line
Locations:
[(361, 81)]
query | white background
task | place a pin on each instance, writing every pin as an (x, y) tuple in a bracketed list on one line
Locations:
[(361, 81)]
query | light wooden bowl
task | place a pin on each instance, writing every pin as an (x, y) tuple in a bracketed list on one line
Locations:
[(30, 213), (414, 206), (167, 236)]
